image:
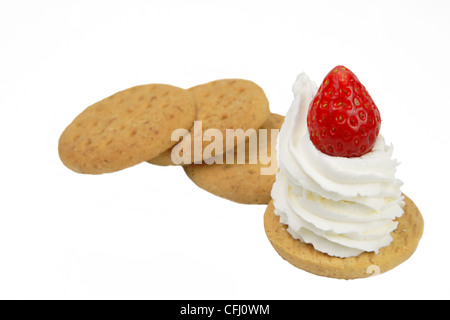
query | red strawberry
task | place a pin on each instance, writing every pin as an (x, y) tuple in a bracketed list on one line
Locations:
[(343, 120)]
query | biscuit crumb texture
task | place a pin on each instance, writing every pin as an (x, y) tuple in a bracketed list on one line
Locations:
[(304, 256), (125, 129)]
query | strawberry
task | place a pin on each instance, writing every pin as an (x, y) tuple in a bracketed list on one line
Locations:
[(343, 120)]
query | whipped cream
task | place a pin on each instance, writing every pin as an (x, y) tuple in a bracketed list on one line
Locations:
[(342, 206)]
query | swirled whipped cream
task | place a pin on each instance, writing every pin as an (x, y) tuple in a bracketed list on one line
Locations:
[(342, 206)]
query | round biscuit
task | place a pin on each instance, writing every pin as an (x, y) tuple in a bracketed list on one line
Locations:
[(125, 129), (224, 104), (241, 183), (302, 255)]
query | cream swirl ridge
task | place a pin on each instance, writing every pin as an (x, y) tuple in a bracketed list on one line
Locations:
[(342, 206)]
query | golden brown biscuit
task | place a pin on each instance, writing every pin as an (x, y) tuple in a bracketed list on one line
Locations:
[(224, 104), (125, 129), (304, 256), (242, 183)]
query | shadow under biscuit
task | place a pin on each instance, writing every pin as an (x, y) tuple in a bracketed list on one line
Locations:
[(247, 183), (303, 256)]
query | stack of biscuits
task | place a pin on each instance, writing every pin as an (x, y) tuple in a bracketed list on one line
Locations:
[(137, 124)]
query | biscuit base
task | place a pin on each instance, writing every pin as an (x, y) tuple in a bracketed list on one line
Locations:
[(304, 256)]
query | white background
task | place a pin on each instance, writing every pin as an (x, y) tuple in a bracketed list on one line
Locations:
[(148, 232)]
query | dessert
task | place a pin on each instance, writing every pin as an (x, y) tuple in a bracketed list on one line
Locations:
[(337, 209), (241, 183), (127, 128), (223, 104)]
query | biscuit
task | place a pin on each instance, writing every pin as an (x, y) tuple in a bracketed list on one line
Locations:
[(241, 183), (304, 256), (224, 104), (125, 129)]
